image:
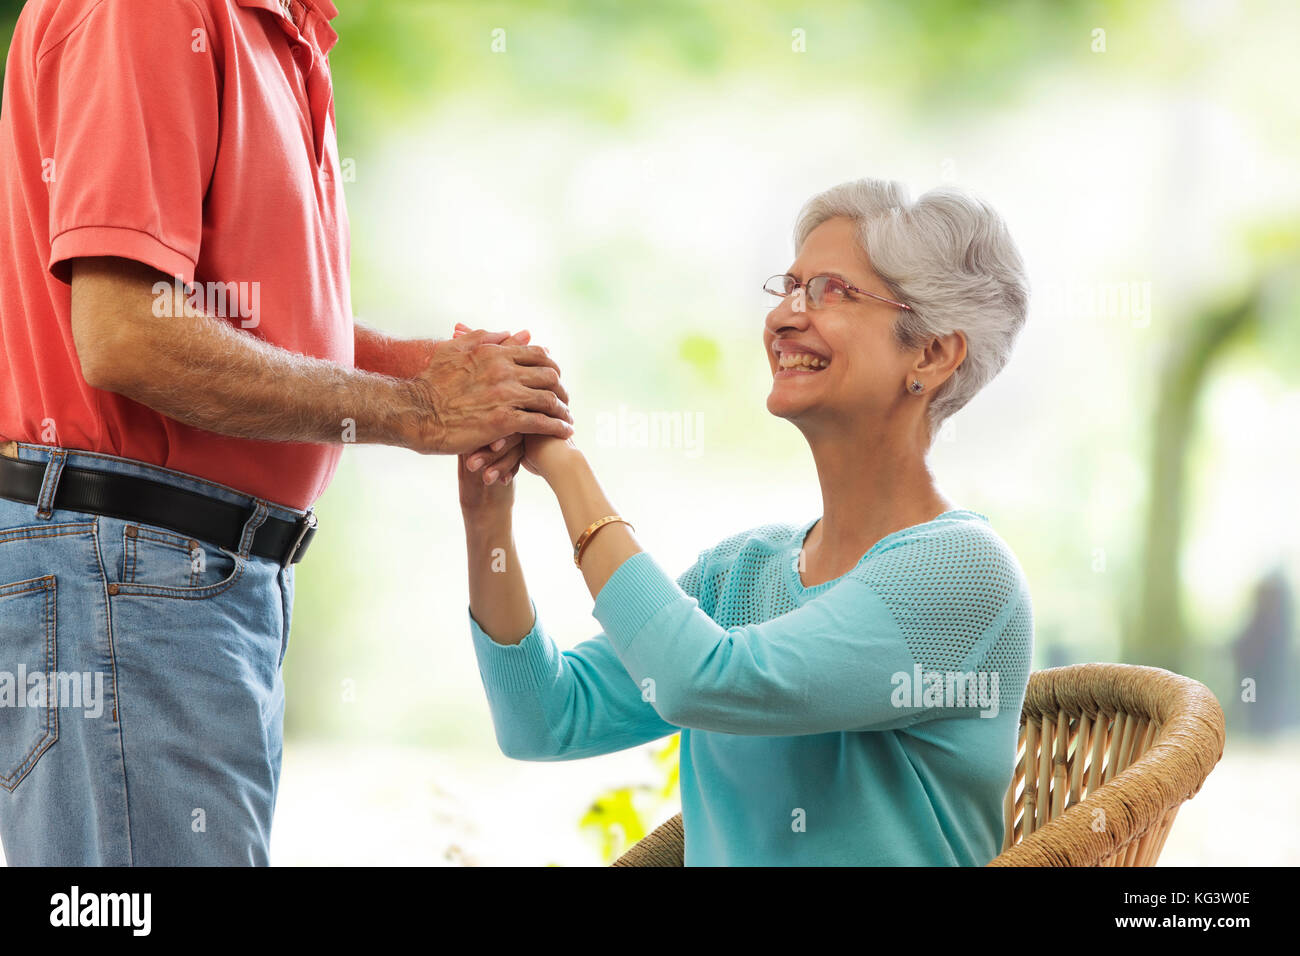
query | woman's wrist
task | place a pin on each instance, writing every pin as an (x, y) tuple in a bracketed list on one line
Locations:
[(561, 460), (494, 519)]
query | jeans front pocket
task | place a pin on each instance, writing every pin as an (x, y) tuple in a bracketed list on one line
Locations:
[(29, 721), (160, 563)]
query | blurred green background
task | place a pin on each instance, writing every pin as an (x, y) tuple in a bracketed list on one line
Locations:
[(620, 178)]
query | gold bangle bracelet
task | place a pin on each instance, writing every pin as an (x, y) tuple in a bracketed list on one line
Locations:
[(592, 529)]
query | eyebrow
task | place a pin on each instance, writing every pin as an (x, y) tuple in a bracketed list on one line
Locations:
[(833, 275)]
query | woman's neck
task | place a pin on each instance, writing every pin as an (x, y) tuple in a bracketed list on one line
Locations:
[(872, 485)]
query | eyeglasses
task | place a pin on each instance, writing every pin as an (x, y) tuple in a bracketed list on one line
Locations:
[(822, 291)]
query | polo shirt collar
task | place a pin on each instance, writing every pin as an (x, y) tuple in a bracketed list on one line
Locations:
[(317, 27)]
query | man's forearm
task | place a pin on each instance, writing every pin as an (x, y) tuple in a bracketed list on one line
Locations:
[(382, 353), (204, 373)]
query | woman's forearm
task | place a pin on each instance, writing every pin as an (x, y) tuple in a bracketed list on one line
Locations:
[(498, 596), (583, 501)]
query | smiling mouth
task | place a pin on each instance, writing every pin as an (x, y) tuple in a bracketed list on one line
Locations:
[(800, 362)]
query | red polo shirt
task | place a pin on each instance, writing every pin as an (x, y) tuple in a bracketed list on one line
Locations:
[(196, 136)]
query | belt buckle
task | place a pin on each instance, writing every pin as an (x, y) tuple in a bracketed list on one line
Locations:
[(306, 525)]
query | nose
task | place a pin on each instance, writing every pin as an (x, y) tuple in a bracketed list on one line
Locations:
[(784, 316)]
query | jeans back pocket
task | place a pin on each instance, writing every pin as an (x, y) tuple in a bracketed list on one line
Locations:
[(29, 721)]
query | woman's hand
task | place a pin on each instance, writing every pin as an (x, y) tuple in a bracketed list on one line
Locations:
[(478, 497)]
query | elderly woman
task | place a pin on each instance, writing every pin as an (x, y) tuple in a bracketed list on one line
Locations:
[(848, 689)]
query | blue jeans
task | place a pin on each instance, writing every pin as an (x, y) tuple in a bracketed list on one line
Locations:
[(141, 698)]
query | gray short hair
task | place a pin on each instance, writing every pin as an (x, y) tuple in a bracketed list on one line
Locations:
[(950, 257)]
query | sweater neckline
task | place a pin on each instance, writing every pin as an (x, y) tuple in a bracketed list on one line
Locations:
[(801, 535)]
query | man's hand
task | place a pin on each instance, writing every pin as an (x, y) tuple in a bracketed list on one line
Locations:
[(477, 392), (495, 464), (501, 460)]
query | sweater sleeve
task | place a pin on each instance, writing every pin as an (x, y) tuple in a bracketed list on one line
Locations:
[(842, 662), (548, 704)]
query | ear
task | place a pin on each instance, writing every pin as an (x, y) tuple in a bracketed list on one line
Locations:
[(941, 358)]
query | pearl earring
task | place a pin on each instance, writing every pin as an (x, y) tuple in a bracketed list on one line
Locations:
[(916, 387)]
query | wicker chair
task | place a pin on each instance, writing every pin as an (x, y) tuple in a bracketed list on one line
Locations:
[(1108, 753)]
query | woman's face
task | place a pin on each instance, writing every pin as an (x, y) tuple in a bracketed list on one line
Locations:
[(863, 369)]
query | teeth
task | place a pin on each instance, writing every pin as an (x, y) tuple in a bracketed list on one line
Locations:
[(801, 360)]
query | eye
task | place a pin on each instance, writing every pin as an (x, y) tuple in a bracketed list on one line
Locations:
[(831, 290)]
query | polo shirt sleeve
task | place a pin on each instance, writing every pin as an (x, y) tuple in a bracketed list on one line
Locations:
[(131, 104)]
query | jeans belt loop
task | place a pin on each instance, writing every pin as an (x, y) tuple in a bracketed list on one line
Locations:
[(50, 484), (255, 521)]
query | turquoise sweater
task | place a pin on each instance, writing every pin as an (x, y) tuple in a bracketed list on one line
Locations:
[(824, 725)]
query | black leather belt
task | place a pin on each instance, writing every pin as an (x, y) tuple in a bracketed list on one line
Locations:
[(154, 503)]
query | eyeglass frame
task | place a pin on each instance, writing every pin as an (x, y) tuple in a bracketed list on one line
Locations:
[(842, 281)]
